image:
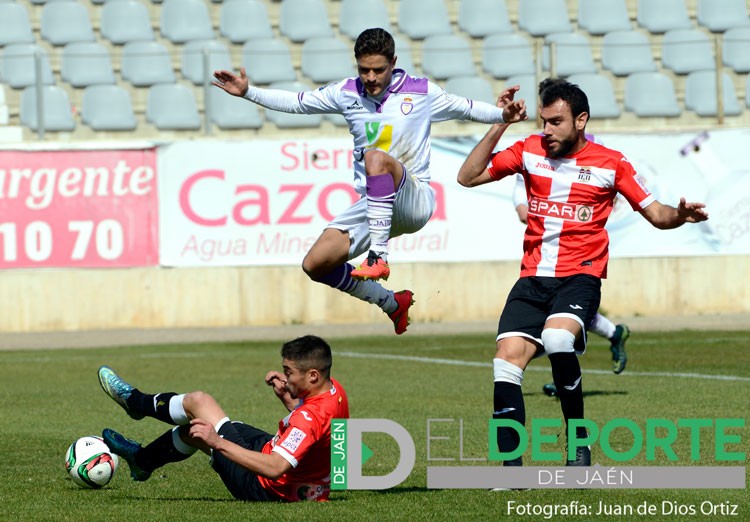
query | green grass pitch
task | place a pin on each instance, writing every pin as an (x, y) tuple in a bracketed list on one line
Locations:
[(52, 397)]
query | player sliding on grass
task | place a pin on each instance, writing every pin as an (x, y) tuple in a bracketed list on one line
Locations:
[(389, 115), (571, 185), (293, 465)]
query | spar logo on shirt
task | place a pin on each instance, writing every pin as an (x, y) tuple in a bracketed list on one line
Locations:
[(561, 210)]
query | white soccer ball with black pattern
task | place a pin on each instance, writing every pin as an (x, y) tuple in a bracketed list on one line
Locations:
[(90, 463)]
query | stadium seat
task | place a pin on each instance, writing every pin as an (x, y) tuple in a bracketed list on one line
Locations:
[(719, 15), (19, 65), (527, 92), (337, 119), (107, 108), (146, 63), (303, 19), (651, 94), (747, 92), (663, 15), (267, 60), (125, 21), (472, 87), (65, 22), (327, 59), (214, 54), (505, 55), (445, 56), (15, 26), (701, 95), (404, 57), (241, 20), (57, 109), (86, 63), (736, 49), (172, 106), (603, 16), (357, 15), (284, 120), (419, 19), (687, 50), (600, 92), (567, 53), (185, 20), (627, 52), (230, 112), (482, 18), (543, 17)]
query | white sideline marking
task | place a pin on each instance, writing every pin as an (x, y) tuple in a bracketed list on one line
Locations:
[(455, 362)]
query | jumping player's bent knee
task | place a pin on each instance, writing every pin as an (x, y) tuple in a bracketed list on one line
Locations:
[(558, 340)]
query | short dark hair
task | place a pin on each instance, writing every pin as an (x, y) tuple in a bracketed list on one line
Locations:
[(309, 352), (553, 89), (375, 41)]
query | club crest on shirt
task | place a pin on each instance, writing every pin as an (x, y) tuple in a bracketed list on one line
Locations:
[(584, 174), (407, 106)]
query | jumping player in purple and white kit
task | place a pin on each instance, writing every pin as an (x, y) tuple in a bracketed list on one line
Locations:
[(389, 114)]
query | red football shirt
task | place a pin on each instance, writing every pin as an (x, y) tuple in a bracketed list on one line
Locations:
[(304, 440), (570, 199)]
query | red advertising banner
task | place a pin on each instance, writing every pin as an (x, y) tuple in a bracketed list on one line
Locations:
[(78, 208)]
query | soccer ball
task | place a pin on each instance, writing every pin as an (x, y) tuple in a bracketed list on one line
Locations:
[(90, 463)]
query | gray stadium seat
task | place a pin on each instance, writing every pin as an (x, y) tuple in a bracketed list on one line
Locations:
[(719, 15), (86, 63), (506, 55), (18, 65), (57, 111), (627, 52), (171, 106), (603, 16), (327, 59), (528, 91), (404, 58), (567, 53), (481, 18), (419, 19), (650, 94), (543, 17), (357, 15), (701, 96), (663, 15), (146, 63), (736, 49), (107, 108), (747, 92), (447, 55), (600, 92), (65, 22), (687, 50), (231, 112), (15, 26), (284, 120), (303, 19), (268, 60), (125, 21), (241, 20), (472, 87), (185, 20), (194, 54)]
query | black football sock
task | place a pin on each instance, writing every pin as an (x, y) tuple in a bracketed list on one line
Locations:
[(509, 405), (566, 372), (159, 452), (156, 406)]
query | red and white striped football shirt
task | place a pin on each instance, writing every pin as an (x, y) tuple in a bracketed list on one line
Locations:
[(570, 199)]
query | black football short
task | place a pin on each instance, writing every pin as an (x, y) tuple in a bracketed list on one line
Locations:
[(533, 300), (242, 483)]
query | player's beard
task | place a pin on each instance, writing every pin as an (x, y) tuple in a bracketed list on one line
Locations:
[(564, 147)]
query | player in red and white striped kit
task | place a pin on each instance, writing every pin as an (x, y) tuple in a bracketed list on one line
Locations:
[(571, 185)]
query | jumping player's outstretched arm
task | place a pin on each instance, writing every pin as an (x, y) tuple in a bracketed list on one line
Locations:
[(666, 216)]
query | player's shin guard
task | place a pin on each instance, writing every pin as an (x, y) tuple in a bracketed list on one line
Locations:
[(367, 290), (167, 448), (508, 403), (381, 194), (566, 372)]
